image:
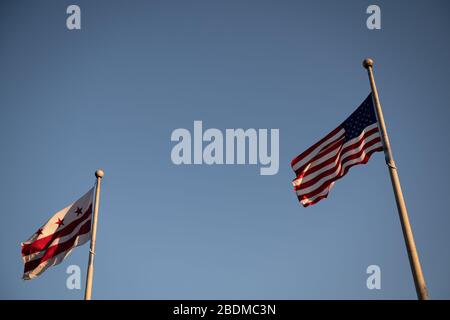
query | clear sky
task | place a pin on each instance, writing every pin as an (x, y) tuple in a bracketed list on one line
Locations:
[(110, 95)]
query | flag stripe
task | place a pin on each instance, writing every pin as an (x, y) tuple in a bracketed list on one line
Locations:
[(56, 241), (325, 155), (82, 239), (58, 248), (340, 157), (309, 190), (42, 243), (304, 158), (322, 195), (315, 146), (310, 201), (317, 167), (336, 170), (341, 170)]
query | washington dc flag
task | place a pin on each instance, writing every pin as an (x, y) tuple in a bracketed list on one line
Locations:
[(350, 144), (52, 242)]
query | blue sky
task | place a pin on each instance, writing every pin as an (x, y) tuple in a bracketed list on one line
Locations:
[(110, 95)]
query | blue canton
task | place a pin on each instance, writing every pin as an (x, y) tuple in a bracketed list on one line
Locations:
[(362, 117)]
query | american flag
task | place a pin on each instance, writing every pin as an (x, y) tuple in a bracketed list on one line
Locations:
[(52, 242), (350, 144)]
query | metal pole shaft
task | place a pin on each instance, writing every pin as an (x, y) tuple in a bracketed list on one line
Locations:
[(90, 271), (419, 280)]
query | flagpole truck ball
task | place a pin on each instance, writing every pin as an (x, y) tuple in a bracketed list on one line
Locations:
[(99, 173), (367, 63)]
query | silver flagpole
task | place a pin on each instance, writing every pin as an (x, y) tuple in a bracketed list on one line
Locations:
[(419, 280), (90, 271)]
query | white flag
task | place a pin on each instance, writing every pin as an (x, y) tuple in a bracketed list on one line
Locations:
[(51, 243)]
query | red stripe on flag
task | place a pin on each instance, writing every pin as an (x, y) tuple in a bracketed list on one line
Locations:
[(42, 243), (314, 146), (322, 153), (319, 166), (315, 200), (339, 161), (339, 175), (58, 248), (317, 191)]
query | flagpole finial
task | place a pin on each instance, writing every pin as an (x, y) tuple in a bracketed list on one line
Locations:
[(368, 63), (99, 173)]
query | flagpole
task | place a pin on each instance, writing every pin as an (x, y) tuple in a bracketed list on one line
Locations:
[(90, 271), (419, 280)]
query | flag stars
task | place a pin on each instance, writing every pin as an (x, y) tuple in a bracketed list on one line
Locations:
[(60, 222), (79, 211), (360, 119)]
